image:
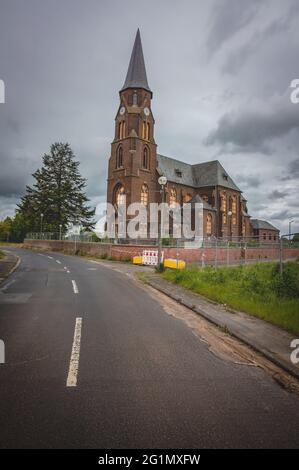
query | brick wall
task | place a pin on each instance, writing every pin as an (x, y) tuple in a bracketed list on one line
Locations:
[(192, 255), (70, 247)]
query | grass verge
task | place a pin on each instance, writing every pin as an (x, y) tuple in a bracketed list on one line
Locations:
[(255, 289), (18, 245)]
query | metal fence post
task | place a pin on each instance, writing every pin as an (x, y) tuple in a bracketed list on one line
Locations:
[(280, 256), (227, 253)]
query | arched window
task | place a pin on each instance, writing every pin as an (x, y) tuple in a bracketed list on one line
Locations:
[(122, 130), (209, 224), (119, 195), (119, 157), (145, 160), (223, 203), (187, 198), (172, 196), (143, 135), (135, 99), (144, 195), (234, 204), (148, 129)]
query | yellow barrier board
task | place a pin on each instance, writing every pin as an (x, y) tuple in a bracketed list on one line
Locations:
[(137, 260), (174, 264)]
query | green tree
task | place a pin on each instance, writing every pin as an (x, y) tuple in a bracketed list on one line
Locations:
[(295, 238), (57, 197), (5, 229), (19, 228)]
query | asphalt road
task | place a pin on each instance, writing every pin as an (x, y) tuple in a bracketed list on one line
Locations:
[(132, 377)]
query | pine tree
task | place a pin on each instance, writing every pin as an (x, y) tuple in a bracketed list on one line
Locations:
[(58, 193)]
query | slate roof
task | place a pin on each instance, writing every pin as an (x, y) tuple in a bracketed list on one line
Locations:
[(168, 166), (197, 176), (212, 174), (262, 225), (136, 75)]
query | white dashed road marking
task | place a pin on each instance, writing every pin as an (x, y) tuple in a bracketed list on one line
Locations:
[(71, 380), (75, 287), (57, 261), (50, 257)]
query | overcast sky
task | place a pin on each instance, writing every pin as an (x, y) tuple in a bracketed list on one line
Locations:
[(220, 71)]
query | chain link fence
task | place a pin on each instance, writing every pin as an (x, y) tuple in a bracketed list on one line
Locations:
[(210, 251)]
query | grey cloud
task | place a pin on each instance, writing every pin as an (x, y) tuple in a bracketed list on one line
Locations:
[(229, 17), (252, 129), (294, 167), (248, 180), (277, 194), (292, 171), (283, 215), (238, 57), (260, 36)]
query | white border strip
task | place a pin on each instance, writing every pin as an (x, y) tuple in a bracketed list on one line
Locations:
[(74, 362), (75, 287)]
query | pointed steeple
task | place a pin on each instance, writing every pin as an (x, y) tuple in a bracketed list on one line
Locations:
[(136, 75)]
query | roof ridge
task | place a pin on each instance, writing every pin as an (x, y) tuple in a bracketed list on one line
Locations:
[(174, 159), (203, 163)]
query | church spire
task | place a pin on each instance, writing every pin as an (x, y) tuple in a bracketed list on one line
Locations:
[(136, 75)]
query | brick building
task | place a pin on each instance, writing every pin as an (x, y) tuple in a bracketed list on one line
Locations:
[(263, 231), (135, 165)]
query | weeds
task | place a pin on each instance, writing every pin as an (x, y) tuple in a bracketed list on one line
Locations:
[(257, 289)]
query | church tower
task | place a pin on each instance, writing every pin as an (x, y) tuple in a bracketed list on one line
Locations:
[(133, 160)]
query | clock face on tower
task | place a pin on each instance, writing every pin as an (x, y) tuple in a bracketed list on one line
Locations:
[(122, 110), (146, 111)]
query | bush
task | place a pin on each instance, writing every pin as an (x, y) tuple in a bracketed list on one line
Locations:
[(286, 284), (95, 238), (166, 241), (160, 268), (254, 284)]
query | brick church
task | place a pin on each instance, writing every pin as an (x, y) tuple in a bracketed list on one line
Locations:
[(135, 166)]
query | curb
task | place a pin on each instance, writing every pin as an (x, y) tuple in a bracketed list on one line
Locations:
[(15, 266), (240, 336)]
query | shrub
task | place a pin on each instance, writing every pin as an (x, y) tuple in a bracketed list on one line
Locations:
[(160, 268), (287, 283)]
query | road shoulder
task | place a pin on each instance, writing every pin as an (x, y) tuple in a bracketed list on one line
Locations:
[(8, 264), (269, 340)]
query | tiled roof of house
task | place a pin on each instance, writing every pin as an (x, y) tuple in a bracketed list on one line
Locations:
[(262, 225), (196, 176)]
